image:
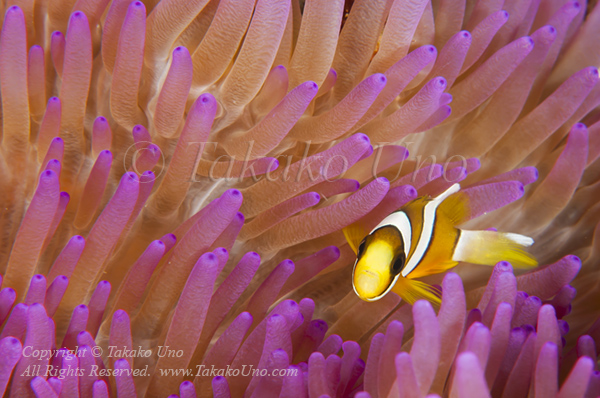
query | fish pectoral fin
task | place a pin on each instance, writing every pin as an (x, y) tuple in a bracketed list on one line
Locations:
[(412, 290), (456, 208), (354, 234)]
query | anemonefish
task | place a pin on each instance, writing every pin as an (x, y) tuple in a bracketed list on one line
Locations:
[(422, 239)]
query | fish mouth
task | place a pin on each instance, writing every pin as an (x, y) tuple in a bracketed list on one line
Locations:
[(367, 285)]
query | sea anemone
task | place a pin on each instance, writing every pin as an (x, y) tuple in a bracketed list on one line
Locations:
[(175, 175)]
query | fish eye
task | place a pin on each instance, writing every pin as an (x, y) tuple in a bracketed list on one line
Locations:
[(361, 248), (398, 263)]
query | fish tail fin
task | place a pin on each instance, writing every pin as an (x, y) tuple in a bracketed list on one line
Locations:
[(491, 247), (411, 290)]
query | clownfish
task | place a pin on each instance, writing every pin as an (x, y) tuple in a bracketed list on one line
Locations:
[(421, 239)]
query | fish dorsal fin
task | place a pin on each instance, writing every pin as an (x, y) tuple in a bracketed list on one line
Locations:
[(454, 188), (354, 234), (456, 208), (412, 290)]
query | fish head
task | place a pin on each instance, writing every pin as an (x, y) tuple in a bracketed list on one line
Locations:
[(380, 259)]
